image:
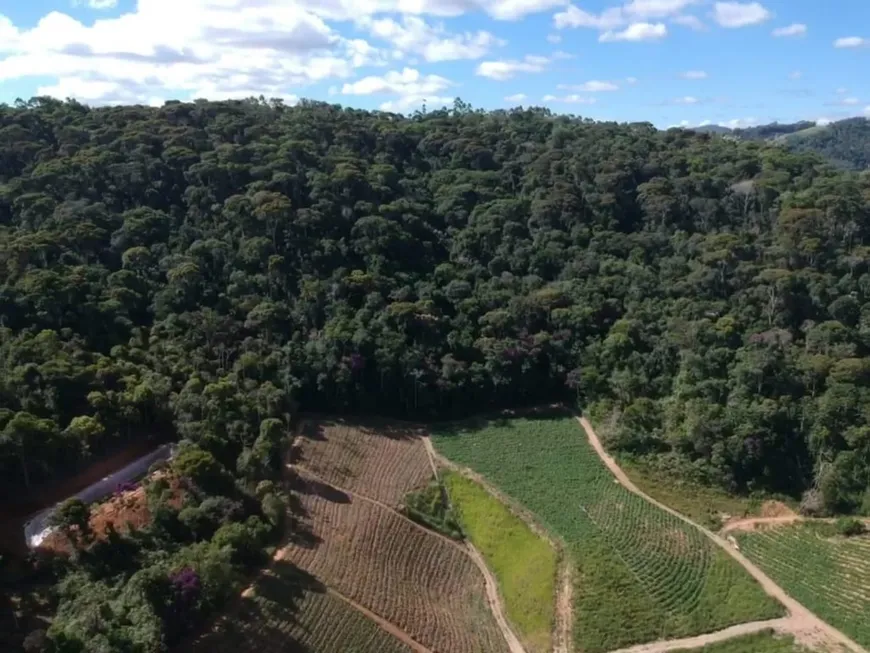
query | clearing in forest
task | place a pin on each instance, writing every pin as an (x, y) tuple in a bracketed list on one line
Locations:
[(642, 574), (827, 573), (382, 461), (350, 537), (524, 563), (286, 610)]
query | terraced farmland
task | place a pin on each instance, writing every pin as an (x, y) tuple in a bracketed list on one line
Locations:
[(827, 573), (382, 462), (286, 611), (424, 584), (765, 642), (642, 574)]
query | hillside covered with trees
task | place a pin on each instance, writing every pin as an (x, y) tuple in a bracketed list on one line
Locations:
[(196, 271)]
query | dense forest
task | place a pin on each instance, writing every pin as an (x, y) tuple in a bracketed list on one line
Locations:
[(197, 271), (846, 143)]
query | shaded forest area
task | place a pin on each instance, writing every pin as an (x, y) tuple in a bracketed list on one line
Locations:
[(188, 267)]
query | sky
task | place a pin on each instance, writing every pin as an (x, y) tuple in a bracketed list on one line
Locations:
[(669, 62)]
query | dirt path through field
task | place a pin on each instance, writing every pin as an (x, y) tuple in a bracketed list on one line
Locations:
[(779, 625), (493, 595), (564, 600), (803, 624), (490, 583), (751, 523)]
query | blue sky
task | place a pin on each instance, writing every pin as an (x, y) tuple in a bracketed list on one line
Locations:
[(666, 61)]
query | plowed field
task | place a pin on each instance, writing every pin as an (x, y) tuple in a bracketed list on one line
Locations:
[(382, 462), (288, 612), (424, 584)]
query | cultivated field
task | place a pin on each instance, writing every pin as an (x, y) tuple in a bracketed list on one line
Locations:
[(287, 611), (757, 643), (827, 573), (642, 574), (383, 462), (524, 563)]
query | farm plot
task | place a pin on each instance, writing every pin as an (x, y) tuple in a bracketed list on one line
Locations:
[(382, 462), (288, 612), (766, 642), (524, 563), (642, 574), (424, 584), (827, 573)]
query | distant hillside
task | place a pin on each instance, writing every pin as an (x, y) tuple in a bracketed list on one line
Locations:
[(845, 143)]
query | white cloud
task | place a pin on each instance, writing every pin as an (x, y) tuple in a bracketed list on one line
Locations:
[(851, 42), (211, 48), (635, 11), (631, 81), (636, 32), (569, 99), (554, 38), (694, 74), (795, 29), (692, 22), (795, 74), (408, 83), (687, 100), (573, 16), (740, 14), (821, 122), (501, 70), (433, 43), (516, 97), (593, 86), (739, 123), (413, 102)]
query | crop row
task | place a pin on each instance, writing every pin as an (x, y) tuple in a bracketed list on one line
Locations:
[(422, 583), (282, 614), (830, 575), (382, 463), (642, 574)]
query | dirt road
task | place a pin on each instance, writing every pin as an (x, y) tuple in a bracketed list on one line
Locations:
[(564, 610), (751, 523), (802, 623), (490, 583), (779, 625)]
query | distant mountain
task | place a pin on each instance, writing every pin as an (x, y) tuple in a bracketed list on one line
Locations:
[(845, 143)]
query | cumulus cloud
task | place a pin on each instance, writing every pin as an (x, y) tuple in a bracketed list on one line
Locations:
[(795, 29), (506, 69), (407, 83), (636, 32), (569, 99), (516, 97), (98, 4), (433, 43), (851, 42), (211, 48), (694, 74), (634, 12), (592, 86), (740, 14)]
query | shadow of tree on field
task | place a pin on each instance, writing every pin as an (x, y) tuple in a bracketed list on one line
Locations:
[(266, 619), (502, 419), (313, 487)]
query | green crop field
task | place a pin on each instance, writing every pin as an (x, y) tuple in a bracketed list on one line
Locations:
[(642, 574), (828, 573), (289, 611), (764, 642), (524, 564)]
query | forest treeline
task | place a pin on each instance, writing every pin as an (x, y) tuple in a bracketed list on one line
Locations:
[(187, 271)]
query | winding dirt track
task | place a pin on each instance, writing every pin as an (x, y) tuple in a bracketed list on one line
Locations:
[(803, 624), (751, 523), (779, 625), (564, 611)]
